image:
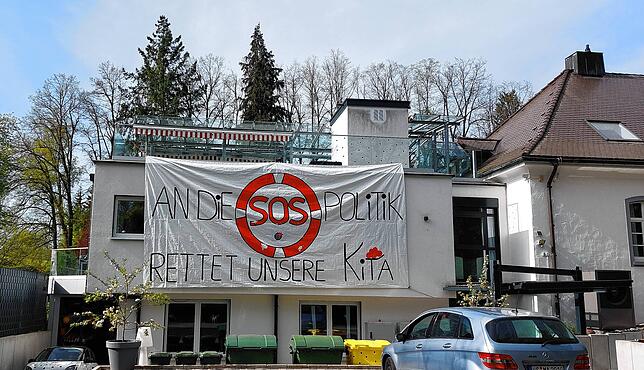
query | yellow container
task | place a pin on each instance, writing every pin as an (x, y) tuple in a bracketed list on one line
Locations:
[(364, 352)]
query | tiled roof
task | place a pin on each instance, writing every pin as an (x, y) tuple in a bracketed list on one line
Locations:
[(469, 143), (554, 123)]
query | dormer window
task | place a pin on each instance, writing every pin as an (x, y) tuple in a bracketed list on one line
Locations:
[(610, 130)]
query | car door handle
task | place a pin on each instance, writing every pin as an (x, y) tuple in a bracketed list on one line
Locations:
[(419, 346), (447, 345)]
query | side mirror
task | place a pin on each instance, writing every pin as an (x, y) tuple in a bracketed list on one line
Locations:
[(401, 337)]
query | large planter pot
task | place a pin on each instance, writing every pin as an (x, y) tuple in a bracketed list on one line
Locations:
[(186, 358), (123, 354)]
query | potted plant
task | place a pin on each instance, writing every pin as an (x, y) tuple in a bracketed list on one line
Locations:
[(481, 294), (160, 358), (124, 297), (210, 358), (186, 358)]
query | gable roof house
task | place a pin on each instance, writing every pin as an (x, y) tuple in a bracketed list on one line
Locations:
[(572, 159)]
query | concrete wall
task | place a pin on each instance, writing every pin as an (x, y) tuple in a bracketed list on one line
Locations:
[(16, 350), (630, 355), (370, 142), (603, 349), (113, 178)]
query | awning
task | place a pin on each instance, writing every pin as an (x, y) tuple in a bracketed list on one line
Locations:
[(212, 133)]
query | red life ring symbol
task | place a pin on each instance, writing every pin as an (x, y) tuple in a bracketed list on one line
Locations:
[(308, 195)]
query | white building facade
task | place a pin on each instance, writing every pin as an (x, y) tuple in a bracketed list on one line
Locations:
[(427, 265)]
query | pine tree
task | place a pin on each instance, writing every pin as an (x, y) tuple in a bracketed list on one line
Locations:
[(166, 83), (507, 103), (261, 83)]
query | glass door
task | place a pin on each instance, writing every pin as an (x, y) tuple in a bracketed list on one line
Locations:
[(329, 319), (475, 236)]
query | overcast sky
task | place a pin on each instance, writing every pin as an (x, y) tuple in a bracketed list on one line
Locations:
[(521, 40)]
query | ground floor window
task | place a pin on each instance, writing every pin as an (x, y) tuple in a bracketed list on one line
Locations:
[(196, 327), (635, 214), (329, 319)]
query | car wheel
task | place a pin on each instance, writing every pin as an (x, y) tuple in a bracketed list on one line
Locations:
[(389, 364)]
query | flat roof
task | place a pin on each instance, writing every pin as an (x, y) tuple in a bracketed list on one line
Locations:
[(351, 102)]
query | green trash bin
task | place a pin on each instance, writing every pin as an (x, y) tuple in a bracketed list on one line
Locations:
[(251, 349), (316, 349)]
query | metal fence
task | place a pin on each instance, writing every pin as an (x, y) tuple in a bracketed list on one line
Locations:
[(23, 302)]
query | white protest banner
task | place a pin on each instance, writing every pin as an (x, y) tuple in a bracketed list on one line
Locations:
[(217, 224)]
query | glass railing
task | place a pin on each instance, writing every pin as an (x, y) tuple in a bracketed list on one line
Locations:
[(294, 147), (69, 261)]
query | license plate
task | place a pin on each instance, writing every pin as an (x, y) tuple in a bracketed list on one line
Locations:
[(547, 367)]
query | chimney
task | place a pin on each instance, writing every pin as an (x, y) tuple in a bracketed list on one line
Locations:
[(586, 63)]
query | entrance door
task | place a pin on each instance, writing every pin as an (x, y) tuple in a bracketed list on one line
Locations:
[(475, 236)]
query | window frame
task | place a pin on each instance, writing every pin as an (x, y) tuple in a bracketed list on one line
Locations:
[(427, 329), (475, 207), (329, 314), (590, 123), (197, 321), (126, 236), (435, 322), (635, 260), (460, 327)]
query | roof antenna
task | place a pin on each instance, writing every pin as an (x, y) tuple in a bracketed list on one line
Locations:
[(587, 48)]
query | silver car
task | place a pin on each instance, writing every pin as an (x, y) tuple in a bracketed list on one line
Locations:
[(63, 358), (485, 338)]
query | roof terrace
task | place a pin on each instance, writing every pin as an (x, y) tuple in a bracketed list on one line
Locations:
[(182, 138)]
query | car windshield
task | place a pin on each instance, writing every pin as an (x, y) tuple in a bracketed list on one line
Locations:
[(60, 354), (529, 330)]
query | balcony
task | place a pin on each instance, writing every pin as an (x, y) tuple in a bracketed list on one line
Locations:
[(68, 271), (276, 142)]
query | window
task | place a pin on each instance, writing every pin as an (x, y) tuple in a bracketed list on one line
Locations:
[(529, 330), (181, 327), (128, 217), (329, 319), (475, 236), (60, 354), (378, 115), (446, 325), (419, 329), (635, 220), (466, 329), (213, 329), (209, 335), (344, 321), (612, 130)]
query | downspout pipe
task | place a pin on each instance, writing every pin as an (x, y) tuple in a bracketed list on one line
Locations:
[(275, 314), (551, 220)]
